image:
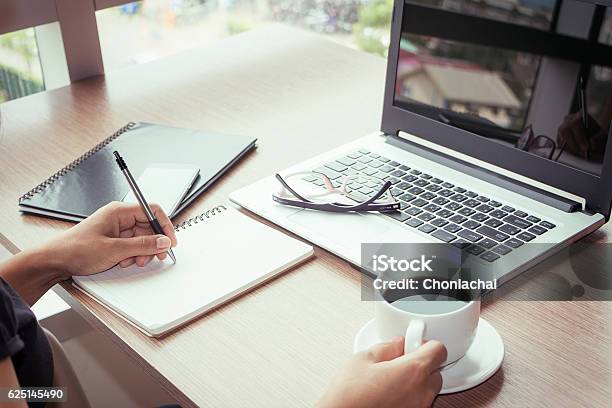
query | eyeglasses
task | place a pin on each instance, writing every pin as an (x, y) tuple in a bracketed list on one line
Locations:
[(316, 191), (540, 145)]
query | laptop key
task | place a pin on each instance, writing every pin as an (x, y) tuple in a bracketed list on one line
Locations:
[(413, 211), (483, 199), (425, 176), (386, 168), (525, 236), (491, 233), (471, 224), (487, 243), (458, 197), (427, 228), (475, 250), (409, 178), (346, 161), (493, 222), (471, 203), (452, 228), (407, 197), (448, 185), (404, 168), (414, 222), (498, 214), (426, 216), (431, 208), (469, 235), (484, 208), (439, 222), (547, 224), (443, 235), (358, 166), (415, 172), (404, 185), (514, 243), (459, 190), (403, 205), (433, 187), (521, 214), (507, 208), (445, 193), (419, 202), (421, 183), (428, 195), (331, 174), (502, 250), (364, 151), (355, 155), (461, 243), (495, 203), (444, 213), (436, 180), (365, 159), (369, 171), (480, 217), (394, 163), (466, 211), (519, 222), (509, 229), (453, 206), (536, 229), (533, 219), (398, 173), (374, 155), (396, 215), (471, 194), (440, 201), (383, 159), (489, 256), (415, 190), (458, 219)]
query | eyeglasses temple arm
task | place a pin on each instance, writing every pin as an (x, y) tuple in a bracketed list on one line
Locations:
[(286, 186)]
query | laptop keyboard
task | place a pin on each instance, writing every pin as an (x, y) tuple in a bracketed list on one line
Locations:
[(482, 226)]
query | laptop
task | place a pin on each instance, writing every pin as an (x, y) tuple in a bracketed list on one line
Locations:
[(496, 144)]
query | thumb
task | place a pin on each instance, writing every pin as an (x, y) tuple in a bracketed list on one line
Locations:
[(386, 351), (143, 245)]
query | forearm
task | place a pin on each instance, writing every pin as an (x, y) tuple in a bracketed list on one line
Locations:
[(33, 272)]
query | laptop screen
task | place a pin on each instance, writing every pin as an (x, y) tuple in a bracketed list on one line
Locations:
[(558, 109)]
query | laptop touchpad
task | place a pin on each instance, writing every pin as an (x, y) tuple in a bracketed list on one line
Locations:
[(344, 227)]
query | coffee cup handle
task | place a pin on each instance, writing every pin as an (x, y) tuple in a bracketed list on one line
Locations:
[(414, 336)]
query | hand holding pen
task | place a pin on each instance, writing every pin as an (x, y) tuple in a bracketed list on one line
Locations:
[(149, 213)]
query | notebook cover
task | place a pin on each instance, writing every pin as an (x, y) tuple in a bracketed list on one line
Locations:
[(93, 180)]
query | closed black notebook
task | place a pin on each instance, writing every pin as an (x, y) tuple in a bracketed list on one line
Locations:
[(94, 179)]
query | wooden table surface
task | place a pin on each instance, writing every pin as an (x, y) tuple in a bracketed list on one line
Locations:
[(279, 345)]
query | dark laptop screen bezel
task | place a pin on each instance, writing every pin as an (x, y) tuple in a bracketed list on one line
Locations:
[(596, 190)]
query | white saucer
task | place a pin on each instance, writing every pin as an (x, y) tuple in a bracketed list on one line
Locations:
[(481, 361)]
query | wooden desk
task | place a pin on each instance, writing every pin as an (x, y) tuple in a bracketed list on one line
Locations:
[(279, 345)]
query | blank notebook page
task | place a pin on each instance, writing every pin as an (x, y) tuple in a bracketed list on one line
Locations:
[(217, 259)]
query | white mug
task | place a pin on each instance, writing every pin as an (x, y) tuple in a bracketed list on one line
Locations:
[(455, 329)]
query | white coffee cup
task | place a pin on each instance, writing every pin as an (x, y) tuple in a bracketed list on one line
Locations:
[(455, 328)]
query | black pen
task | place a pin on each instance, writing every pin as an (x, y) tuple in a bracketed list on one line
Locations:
[(143, 202)]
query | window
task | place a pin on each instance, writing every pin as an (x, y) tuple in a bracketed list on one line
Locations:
[(20, 70), (151, 29)]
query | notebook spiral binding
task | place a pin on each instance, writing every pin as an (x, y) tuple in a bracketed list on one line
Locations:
[(199, 218), (75, 163)]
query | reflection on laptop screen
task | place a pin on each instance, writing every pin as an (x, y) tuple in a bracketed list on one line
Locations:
[(555, 108)]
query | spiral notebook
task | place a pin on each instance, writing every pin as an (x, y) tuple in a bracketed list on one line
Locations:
[(93, 179), (220, 254)]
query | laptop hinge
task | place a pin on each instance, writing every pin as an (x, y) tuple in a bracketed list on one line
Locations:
[(545, 197)]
